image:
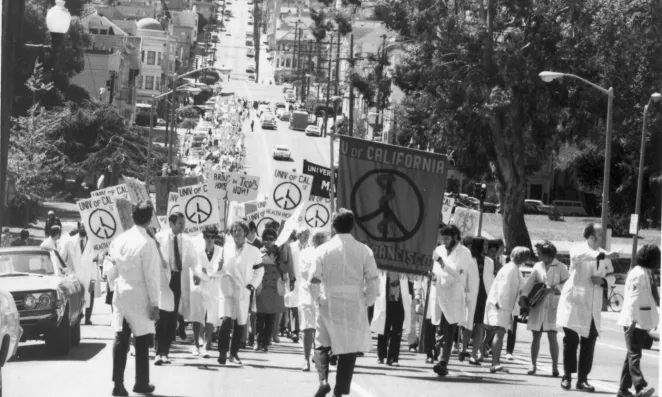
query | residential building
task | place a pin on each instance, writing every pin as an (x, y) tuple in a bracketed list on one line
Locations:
[(158, 56)]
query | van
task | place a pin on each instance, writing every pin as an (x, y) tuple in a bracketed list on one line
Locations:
[(567, 207)]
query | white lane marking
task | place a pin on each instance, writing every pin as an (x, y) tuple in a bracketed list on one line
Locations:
[(361, 391)]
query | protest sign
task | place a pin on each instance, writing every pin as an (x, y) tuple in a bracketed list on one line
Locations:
[(125, 212), (173, 203), (166, 184), (101, 220), (233, 186), (396, 196), (289, 190), (321, 178), (316, 214), (112, 192), (199, 209), (290, 225), (447, 210), (137, 189), (466, 220)]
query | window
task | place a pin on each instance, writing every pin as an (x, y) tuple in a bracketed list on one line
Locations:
[(157, 84), (149, 82), (142, 56), (151, 57), (139, 82), (287, 62), (94, 31), (277, 63), (103, 32), (158, 59)]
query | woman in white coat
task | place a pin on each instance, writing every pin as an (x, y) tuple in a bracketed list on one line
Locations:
[(205, 292), (292, 296), (542, 317), (391, 316), (502, 302), (481, 276)]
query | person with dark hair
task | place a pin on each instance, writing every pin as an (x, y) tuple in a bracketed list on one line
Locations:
[(82, 258), (449, 273), (204, 293), (481, 276), (52, 242), (580, 306), (133, 268), (542, 317), (252, 237), (179, 251), (348, 275), (51, 220), (22, 239), (240, 274), (392, 312), (639, 315)]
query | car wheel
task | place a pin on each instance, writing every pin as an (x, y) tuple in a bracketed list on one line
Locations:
[(75, 333), (58, 341)]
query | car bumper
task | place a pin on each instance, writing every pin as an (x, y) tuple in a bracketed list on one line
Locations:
[(37, 322)]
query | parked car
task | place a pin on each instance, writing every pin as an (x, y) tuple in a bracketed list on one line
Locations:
[(250, 69), (281, 152), (261, 109), (282, 114), (10, 329), (48, 296), (568, 207), (539, 205), (290, 97), (287, 87), (268, 120), (313, 130), (250, 52)]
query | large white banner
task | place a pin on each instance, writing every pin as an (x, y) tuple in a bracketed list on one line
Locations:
[(101, 220), (233, 186), (199, 208)]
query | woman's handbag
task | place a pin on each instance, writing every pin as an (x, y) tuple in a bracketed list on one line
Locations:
[(537, 294)]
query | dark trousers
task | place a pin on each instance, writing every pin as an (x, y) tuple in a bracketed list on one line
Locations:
[(388, 343), (88, 311), (371, 313), (448, 332), (166, 326), (120, 351), (571, 341), (632, 375), (429, 339), (344, 371), (225, 342), (512, 337), (293, 313), (264, 324)]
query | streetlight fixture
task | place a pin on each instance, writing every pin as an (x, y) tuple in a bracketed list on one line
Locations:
[(58, 18), (547, 77), (483, 194), (640, 180)]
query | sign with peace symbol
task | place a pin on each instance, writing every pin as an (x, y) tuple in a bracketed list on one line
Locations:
[(102, 224), (287, 196), (389, 228), (198, 209), (317, 215), (465, 220)]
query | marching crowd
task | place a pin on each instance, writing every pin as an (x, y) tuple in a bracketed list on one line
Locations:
[(244, 291)]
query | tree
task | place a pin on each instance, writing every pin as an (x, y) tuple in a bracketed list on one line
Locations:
[(319, 29), (189, 124)]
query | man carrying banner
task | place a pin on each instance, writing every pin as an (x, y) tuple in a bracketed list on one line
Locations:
[(349, 279)]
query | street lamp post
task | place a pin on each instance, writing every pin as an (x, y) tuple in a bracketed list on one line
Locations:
[(640, 180), (483, 194), (604, 219)]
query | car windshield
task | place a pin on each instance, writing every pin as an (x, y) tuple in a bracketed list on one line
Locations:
[(22, 262), (283, 148)]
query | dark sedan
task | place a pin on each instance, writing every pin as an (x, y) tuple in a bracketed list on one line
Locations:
[(49, 297)]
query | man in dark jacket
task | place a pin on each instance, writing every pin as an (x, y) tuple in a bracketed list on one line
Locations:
[(52, 220)]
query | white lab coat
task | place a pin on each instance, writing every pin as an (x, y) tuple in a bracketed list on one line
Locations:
[(452, 282), (505, 291), (189, 261), (349, 284), (292, 297), (420, 289), (378, 323), (204, 296), (236, 274), (84, 266), (473, 280), (135, 279), (50, 244), (308, 293), (581, 300), (638, 304)]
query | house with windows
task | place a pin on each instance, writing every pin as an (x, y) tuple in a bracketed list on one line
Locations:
[(157, 57)]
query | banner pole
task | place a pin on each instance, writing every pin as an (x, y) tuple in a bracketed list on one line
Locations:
[(332, 187), (423, 332)]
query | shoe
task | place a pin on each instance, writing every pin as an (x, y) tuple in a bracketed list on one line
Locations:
[(144, 389), (456, 350), (531, 371), (323, 390), (306, 366), (509, 357), (566, 382), (380, 361), (222, 358), (473, 361), (166, 360), (440, 369), (265, 349), (119, 390), (234, 359), (463, 355), (412, 349), (394, 364), (555, 373), (182, 332), (88, 321), (360, 354), (333, 360), (159, 360), (498, 368), (276, 339), (624, 393), (204, 353), (645, 392), (295, 339), (429, 360), (584, 386), (195, 351), (257, 347)]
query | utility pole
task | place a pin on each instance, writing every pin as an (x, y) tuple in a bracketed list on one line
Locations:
[(294, 50), (310, 56), (351, 86), (379, 85), (257, 17), (299, 68), (337, 65), (328, 87)]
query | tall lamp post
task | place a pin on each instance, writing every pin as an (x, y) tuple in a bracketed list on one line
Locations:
[(483, 194), (58, 21), (640, 180), (604, 219)]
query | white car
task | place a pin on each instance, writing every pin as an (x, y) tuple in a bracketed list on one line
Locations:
[(250, 52), (313, 130), (10, 329), (281, 152), (261, 109), (268, 120)]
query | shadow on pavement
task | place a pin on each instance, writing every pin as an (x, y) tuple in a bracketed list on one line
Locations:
[(37, 352), (466, 379)]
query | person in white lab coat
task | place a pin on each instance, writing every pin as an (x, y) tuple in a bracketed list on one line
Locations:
[(308, 294), (449, 272), (639, 315), (178, 250), (502, 301), (349, 279), (84, 261), (391, 316), (292, 296), (132, 267), (240, 275), (580, 306), (205, 292)]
